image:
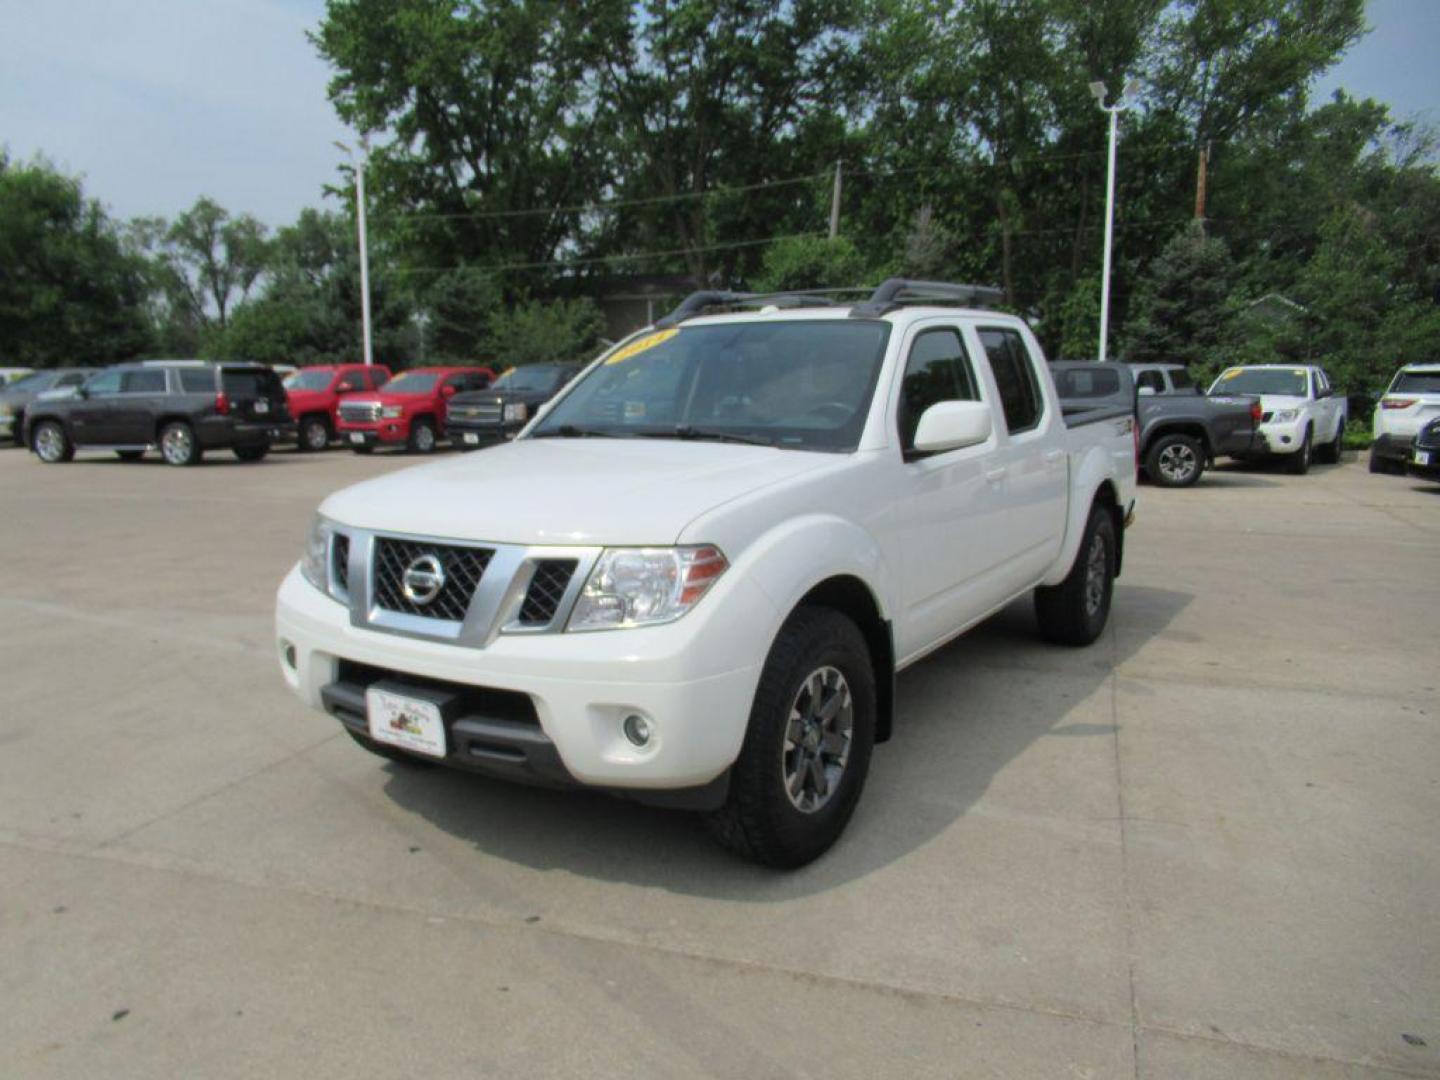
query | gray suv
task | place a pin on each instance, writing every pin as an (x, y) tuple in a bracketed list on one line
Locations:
[(181, 408)]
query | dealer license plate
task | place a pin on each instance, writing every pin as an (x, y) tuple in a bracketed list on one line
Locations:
[(1422, 457), (406, 722), (471, 438), (357, 437), (261, 408)]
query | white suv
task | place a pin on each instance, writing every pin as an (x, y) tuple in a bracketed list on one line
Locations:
[(1411, 402)]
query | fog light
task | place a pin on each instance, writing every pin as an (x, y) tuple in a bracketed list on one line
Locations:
[(1285, 439), (637, 729)]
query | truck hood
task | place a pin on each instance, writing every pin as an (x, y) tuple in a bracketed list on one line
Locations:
[(1271, 402), (568, 491)]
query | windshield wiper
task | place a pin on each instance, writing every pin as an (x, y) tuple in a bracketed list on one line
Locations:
[(685, 431), (570, 431)]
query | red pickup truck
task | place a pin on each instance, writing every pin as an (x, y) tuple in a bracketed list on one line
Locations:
[(409, 411), (315, 394)]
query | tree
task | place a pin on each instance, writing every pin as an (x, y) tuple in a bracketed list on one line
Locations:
[(534, 331), (810, 262), (1181, 311), (71, 290), (458, 304)]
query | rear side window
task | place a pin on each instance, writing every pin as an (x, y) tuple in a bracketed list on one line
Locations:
[(197, 380), (1087, 383), (937, 370), (251, 382), (1014, 377), (143, 382)]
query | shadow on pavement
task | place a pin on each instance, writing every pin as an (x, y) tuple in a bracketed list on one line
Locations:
[(940, 761)]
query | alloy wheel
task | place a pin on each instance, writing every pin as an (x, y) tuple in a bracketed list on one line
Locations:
[(1097, 568), (50, 443), (176, 445), (817, 739), (1178, 462)]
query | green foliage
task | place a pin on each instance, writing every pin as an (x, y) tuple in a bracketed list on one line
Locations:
[(1358, 435), (1182, 307), (535, 331), (71, 291), (459, 304), (1080, 321), (810, 262)]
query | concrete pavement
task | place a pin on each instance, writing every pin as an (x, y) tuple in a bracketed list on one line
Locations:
[(1204, 847)]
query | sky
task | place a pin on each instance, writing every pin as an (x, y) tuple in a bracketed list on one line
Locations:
[(156, 102)]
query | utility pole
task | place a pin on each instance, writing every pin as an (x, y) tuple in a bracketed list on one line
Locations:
[(364, 252), (1098, 90), (835, 205), (1201, 178)]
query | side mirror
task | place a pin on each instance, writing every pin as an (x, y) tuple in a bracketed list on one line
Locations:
[(951, 425), (1146, 391)]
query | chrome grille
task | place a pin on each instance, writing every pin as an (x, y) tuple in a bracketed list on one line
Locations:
[(360, 411), (547, 587), (463, 567), (340, 561), (488, 414)]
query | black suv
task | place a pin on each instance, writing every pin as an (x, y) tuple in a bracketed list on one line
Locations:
[(183, 407), (504, 407)]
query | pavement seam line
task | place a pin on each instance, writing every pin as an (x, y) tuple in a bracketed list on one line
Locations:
[(133, 859), (1114, 681)]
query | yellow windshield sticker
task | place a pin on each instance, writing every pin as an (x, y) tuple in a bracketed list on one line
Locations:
[(1298, 371), (1233, 373), (636, 347)]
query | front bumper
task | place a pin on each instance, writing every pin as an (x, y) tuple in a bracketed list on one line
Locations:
[(380, 433), (470, 436), (223, 432), (1287, 438), (1424, 461), (694, 681)]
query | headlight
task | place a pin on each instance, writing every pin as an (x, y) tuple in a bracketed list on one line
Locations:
[(1283, 416), (392, 412), (315, 561), (514, 414), (645, 586)]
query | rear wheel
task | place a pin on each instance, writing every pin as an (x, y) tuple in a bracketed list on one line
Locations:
[(1299, 463), (1175, 461), (1377, 463), (252, 453), (50, 443), (314, 434), (422, 437), (1075, 611), (1330, 452), (178, 445), (807, 747), (129, 455)]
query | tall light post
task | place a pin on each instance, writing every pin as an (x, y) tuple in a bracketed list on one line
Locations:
[(1098, 90), (364, 252)]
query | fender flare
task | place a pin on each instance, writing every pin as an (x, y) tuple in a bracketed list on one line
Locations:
[(1091, 479)]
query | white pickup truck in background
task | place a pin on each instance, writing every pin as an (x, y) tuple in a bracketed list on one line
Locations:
[(1302, 418), (692, 578)]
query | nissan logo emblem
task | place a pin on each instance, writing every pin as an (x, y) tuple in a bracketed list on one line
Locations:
[(423, 579)]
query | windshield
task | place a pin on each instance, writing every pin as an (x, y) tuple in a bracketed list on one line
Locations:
[(1286, 381), (412, 384), (1416, 382), (527, 378), (800, 385), (315, 379)]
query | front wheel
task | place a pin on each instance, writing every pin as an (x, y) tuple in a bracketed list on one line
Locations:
[(1175, 461), (314, 434), (422, 437), (178, 445), (51, 444), (1299, 463), (1075, 611), (807, 747)]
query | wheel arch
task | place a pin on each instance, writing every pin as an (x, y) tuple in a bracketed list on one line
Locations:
[(851, 597), (164, 420), (1193, 428)]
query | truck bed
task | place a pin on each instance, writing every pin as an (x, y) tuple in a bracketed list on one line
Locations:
[(1091, 392)]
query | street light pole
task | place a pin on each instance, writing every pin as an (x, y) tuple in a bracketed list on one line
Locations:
[(364, 250), (1098, 90)]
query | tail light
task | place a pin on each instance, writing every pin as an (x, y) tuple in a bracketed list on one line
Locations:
[(1397, 402), (222, 403), (1255, 411)]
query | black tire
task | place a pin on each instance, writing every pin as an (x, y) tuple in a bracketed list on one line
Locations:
[(390, 753), (1074, 612), (1299, 462), (1175, 461), (178, 445), (314, 434), (251, 453), (1329, 453), (130, 455), (1377, 463), (50, 443), (423, 437), (762, 820)]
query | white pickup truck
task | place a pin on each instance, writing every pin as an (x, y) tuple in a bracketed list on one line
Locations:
[(692, 577), (1302, 418)]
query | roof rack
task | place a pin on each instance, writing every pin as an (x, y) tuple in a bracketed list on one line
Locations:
[(698, 302), (896, 292)]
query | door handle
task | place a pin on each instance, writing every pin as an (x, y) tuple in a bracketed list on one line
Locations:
[(994, 476)]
